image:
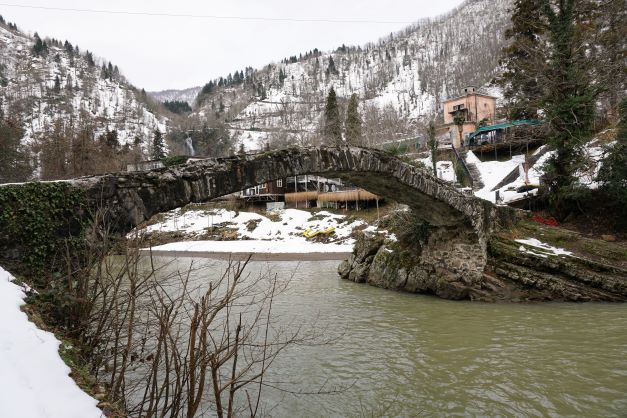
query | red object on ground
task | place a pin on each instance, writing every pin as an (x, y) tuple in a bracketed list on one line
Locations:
[(546, 221)]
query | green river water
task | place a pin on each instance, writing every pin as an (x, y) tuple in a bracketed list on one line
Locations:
[(397, 354)]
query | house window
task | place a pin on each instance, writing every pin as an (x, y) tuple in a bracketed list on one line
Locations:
[(279, 183)]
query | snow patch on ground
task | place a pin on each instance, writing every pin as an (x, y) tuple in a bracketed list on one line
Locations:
[(35, 381), (544, 249), (290, 225), (445, 169), (492, 173)]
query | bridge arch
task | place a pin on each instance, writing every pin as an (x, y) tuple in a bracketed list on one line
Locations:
[(134, 197), (459, 225)]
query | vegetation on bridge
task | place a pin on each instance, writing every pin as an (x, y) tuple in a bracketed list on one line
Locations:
[(33, 218)]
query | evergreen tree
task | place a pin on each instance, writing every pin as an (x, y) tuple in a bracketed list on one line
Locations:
[(111, 139), (609, 53), (332, 126), (547, 69), (40, 48), (519, 81), (613, 172), (14, 159), (177, 106), (90, 59), (569, 99), (331, 70), (57, 84), (432, 144), (158, 145), (353, 122)]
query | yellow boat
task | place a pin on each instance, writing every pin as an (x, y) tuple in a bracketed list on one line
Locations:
[(310, 233)]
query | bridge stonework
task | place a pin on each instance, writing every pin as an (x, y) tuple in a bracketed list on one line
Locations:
[(459, 225), (464, 222)]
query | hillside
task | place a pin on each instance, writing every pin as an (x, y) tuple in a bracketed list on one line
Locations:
[(185, 95), (400, 80), (54, 91)]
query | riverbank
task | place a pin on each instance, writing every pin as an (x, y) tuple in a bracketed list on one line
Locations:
[(211, 230), (526, 261), (36, 381), (289, 250)]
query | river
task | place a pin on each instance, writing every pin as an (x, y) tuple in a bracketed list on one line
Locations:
[(397, 354)]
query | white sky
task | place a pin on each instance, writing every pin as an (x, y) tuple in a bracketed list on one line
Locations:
[(158, 52)]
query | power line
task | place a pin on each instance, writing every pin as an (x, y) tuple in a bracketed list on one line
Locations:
[(217, 17)]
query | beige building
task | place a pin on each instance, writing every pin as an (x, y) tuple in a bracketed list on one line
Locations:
[(474, 107)]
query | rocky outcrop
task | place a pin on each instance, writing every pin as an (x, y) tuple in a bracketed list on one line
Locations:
[(509, 274), (446, 264)]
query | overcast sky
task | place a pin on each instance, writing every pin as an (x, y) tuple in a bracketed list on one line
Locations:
[(162, 52)]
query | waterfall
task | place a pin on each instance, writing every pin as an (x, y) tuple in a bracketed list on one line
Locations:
[(189, 146)]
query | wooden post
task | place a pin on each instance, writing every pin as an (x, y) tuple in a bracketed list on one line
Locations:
[(377, 208)]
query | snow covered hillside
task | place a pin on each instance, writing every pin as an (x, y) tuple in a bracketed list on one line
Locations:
[(399, 80), (35, 381), (51, 86), (185, 95)]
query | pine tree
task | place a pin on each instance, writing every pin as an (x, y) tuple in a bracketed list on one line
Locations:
[(57, 84), (40, 48), (353, 122), (613, 172), (332, 126), (90, 59), (520, 85), (331, 70), (547, 69), (569, 99), (158, 146), (608, 53), (432, 144), (14, 159)]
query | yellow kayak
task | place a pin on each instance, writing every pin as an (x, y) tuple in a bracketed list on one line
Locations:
[(310, 233)]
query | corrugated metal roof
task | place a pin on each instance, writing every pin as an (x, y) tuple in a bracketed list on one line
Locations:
[(499, 126)]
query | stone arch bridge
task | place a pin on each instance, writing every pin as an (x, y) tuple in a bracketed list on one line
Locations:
[(459, 226)]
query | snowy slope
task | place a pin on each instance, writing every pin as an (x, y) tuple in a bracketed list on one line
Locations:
[(185, 95), (255, 233), (35, 381), (288, 226), (81, 97), (399, 80)]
